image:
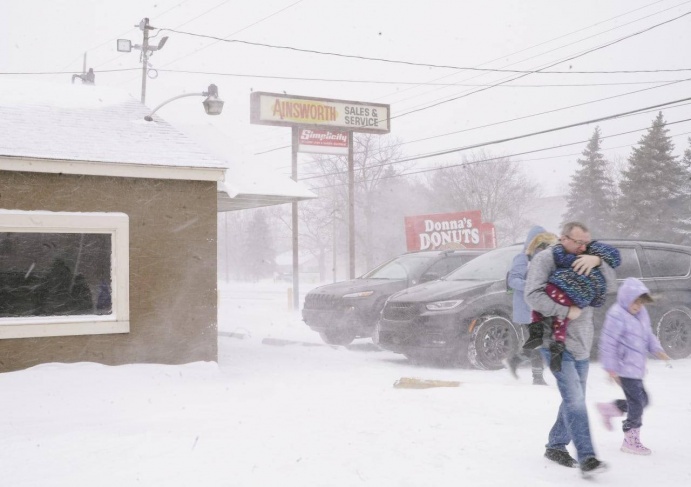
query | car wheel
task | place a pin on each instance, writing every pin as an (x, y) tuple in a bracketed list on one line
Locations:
[(337, 337), (492, 340), (674, 332)]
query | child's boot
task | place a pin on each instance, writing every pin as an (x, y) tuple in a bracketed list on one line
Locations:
[(556, 350), (632, 443), (608, 411), (535, 333)]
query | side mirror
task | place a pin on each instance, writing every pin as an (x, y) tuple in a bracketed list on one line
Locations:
[(430, 276)]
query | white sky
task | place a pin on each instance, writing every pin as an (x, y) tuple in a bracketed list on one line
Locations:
[(306, 414), (47, 36)]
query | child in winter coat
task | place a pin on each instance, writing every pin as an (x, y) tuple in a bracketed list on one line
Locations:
[(567, 287), (627, 338)]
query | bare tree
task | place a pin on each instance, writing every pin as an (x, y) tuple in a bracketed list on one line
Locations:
[(497, 186), (374, 159)]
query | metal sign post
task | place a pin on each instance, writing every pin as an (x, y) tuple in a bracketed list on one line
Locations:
[(296, 258), (351, 208), (323, 114)]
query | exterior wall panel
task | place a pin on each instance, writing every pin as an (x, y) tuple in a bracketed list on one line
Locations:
[(172, 267)]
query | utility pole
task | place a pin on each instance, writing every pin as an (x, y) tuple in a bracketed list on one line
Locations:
[(145, 27), (124, 45), (296, 255), (351, 208)]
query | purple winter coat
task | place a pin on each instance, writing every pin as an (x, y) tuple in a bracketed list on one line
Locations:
[(627, 339)]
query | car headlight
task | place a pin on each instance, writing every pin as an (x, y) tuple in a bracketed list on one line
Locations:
[(444, 305), (361, 294)]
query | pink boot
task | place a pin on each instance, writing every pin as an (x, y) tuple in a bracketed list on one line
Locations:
[(608, 411), (632, 443)]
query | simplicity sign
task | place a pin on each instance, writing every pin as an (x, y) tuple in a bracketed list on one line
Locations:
[(291, 110)]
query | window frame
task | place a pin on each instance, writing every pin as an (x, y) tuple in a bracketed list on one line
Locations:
[(639, 264), (649, 250), (115, 224)]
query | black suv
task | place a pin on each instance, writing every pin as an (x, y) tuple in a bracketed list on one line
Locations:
[(343, 311), (466, 317)]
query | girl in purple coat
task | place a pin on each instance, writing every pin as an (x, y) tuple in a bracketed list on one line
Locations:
[(627, 339)]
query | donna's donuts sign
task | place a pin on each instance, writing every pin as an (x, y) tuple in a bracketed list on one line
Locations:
[(443, 231)]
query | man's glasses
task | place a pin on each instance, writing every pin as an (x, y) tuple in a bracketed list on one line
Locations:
[(578, 242)]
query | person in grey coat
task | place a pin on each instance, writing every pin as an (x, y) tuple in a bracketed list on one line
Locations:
[(572, 423)]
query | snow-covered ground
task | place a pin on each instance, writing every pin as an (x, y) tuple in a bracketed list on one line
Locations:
[(282, 409)]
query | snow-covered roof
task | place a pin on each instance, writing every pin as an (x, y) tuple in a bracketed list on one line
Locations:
[(99, 130), (94, 124)]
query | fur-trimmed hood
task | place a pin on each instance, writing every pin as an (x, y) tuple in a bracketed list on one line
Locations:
[(543, 239)]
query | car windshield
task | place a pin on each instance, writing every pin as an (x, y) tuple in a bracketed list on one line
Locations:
[(401, 267), (491, 266)]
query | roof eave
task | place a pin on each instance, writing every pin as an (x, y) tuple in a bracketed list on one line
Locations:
[(112, 169)]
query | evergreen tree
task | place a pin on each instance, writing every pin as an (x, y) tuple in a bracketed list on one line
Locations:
[(590, 196), (259, 259), (685, 202), (654, 201)]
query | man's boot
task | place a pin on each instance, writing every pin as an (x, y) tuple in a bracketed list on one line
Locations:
[(556, 350)]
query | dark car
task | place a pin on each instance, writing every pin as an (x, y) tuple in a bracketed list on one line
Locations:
[(466, 317), (343, 311)]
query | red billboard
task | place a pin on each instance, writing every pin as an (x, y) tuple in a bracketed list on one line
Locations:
[(442, 231)]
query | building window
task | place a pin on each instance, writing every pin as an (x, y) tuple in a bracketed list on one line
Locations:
[(63, 273)]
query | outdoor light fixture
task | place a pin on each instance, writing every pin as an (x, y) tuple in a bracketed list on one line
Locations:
[(124, 45), (213, 105), (161, 43)]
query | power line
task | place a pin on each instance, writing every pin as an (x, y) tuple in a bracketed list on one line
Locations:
[(550, 65), (523, 136), (232, 34), (544, 113), (467, 163), (554, 110), (27, 73), (538, 45), (121, 35), (179, 25), (379, 152), (556, 48), (602, 99), (446, 66), (225, 39), (364, 81), (503, 83), (623, 116), (389, 82), (203, 13)]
